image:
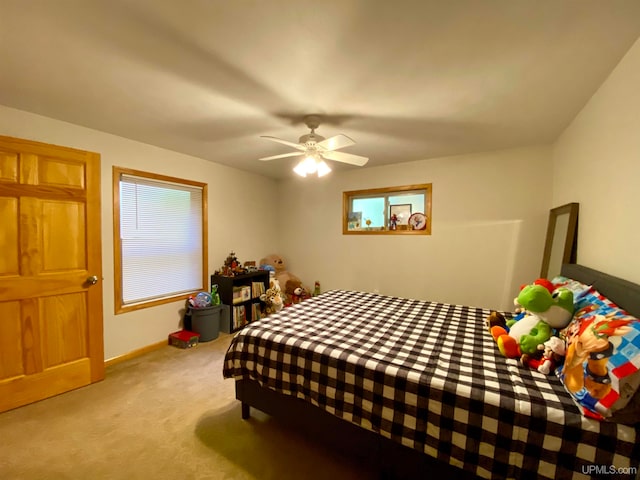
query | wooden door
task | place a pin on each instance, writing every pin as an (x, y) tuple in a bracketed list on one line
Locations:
[(51, 338)]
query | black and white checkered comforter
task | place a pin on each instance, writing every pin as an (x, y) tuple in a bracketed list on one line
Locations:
[(428, 375)]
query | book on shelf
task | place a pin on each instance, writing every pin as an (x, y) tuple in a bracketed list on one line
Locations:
[(241, 293), (246, 293), (237, 294), (256, 312), (239, 316), (257, 289)]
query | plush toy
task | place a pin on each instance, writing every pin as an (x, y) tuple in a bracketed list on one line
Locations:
[(294, 292), (272, 298), (553, 350), (543, 282), (540, 281), (543, 313), (282, 274)]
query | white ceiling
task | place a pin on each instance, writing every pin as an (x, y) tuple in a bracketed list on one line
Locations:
[(407, 80)]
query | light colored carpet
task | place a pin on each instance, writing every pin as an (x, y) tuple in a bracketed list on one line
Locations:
[(166, 415)]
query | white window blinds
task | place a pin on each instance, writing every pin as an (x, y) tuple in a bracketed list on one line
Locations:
[(161, 238)]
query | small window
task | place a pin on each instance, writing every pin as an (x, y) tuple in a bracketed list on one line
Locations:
[(160, 241), (392, 210)]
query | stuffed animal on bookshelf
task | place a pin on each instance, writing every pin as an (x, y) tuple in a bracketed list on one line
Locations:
[(282, 275), (543, 312)]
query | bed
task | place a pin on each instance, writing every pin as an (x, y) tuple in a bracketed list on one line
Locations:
[(414, 380)]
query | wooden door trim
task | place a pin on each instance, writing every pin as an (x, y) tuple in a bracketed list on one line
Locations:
[(96, 294)]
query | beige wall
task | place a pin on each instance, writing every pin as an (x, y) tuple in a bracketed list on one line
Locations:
[(597, 163), (233, 195), (490, 213)]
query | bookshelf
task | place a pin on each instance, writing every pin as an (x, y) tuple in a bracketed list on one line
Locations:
[(242, 294)]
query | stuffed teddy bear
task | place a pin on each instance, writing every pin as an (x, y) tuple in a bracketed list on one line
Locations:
[(282, 275), (294, 292), (543, 313)]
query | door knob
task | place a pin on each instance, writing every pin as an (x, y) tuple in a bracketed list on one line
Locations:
[(92, 280)]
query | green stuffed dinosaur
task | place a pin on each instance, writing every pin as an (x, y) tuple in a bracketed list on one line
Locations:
[(545, 312)]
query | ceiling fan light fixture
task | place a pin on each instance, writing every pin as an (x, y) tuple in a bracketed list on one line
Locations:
[(312, 164), (323, 168), (300, 169), (316, 150)]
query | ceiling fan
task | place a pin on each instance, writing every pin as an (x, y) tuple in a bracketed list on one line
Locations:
[(316, 149)]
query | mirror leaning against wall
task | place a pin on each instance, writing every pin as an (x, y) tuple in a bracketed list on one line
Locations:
[(562, 239)]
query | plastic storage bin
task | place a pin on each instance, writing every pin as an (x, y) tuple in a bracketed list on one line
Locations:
[(206, 322)]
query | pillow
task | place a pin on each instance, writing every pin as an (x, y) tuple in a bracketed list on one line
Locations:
[(602, 365), (589, 301), (585, 297), (576, 287)]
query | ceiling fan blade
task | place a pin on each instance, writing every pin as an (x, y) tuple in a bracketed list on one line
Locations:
[(337, 142), (346, 158), (284, 155), (297, 146)]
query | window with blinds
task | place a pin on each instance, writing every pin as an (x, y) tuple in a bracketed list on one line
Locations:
[(159, 238)]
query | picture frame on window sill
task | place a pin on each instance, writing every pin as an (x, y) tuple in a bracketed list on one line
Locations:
[(402, 213), (355, 221)]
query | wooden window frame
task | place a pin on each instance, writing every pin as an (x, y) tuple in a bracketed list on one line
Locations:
[(347, 198), (120, 307)]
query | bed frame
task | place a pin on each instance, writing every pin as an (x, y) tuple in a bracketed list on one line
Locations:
[(392, 459), (623, 293)]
